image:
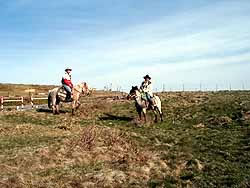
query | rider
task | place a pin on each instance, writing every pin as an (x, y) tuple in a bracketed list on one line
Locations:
[(147, 88), (67, 84)]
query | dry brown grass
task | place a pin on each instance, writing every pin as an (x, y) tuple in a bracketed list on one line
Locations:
[(97, 157), (104, 145)]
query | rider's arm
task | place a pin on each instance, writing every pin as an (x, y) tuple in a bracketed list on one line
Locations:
[(143, 87), (150, 88), (68, 82)]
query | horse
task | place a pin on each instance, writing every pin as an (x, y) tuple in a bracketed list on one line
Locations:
[(142, 105), (58, 95)]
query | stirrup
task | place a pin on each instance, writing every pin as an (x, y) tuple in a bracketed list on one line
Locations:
[(67, 99)]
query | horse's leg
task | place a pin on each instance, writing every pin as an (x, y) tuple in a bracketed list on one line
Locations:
[(57, 106), (57, 109), (54, 105), (54, 109), (155, 113), (73, 108), (161, 114), (75, 102), (139, 113), (158, 107), (78, 105), (144, 114)]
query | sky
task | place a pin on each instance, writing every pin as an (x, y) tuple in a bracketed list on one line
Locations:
[(188, 44)]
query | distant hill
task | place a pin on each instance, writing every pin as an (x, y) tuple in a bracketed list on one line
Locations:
[(23, 89)]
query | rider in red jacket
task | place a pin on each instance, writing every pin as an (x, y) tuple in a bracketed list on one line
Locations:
[(67, 83)]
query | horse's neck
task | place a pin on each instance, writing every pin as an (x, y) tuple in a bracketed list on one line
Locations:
[(81, 87), (76, 89), (138, 98)]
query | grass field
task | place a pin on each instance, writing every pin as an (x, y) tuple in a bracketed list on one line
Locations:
[(203, 142)]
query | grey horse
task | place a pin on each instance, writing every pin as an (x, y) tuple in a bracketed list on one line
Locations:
[(142, 105), (55, 96)]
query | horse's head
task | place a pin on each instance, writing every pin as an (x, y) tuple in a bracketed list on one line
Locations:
[(90, 91), (85, 88), (133, 92)]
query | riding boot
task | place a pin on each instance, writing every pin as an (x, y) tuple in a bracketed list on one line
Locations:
[(151, 103), (68, 98), (146, 102)]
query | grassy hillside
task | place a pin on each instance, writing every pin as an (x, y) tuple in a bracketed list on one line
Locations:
[(203, 142), (19, 89)]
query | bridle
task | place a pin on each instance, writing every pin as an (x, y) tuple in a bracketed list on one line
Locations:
[(133, 95)]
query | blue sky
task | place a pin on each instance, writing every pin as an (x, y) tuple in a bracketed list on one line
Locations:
[(188, 42)]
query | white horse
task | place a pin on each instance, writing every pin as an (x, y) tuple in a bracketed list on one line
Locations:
[(142, 105), (58, 95)]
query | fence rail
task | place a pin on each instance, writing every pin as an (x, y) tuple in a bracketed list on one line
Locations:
[(32, 98), (11, 99)]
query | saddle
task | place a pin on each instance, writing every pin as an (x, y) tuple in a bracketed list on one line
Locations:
[(62, 94), (147, 102)]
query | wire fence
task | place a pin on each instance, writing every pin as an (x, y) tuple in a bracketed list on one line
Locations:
[(184, 87)]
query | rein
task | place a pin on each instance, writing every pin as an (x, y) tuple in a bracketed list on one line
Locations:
[(78, 90), (135, 96)]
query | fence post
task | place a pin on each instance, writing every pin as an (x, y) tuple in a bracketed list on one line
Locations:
[(243, 86), (22, 102), (31, 101), (1, 98)]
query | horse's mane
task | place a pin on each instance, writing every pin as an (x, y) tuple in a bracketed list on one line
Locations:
[(81, 84)]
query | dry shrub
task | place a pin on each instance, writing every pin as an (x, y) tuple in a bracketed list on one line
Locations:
[(120, 157), (221, 120), (107, 144), (87, 139), (122, 148)]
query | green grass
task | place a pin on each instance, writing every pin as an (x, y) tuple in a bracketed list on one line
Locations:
[(24, 118), (204, 141)]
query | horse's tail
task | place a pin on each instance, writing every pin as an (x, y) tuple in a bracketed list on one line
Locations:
[(49, 100), (158, 103)]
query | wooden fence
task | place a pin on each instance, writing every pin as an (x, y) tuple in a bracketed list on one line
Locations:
[(32, 99), (11, 99)]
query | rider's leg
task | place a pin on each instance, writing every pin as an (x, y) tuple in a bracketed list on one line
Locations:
[(150, 99), (68, 90)]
